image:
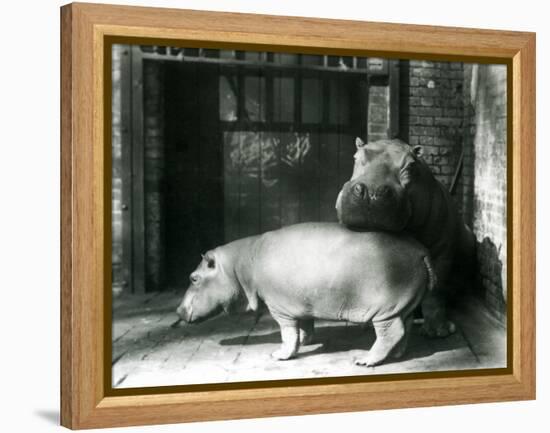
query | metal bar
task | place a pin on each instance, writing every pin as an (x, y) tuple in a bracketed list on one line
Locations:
[(394, 98), (367, 103), (126, 165), (254, 63), (297, 99), (285, 126)]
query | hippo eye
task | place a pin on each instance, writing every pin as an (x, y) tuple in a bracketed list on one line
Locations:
[(406, 173), (210, 261)]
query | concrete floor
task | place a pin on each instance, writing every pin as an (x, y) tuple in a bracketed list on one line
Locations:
[(152, 348)]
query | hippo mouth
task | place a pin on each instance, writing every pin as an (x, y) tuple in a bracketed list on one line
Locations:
[(382, 209), (194, 320)]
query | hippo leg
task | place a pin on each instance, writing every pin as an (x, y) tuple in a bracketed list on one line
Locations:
[(306, 331), (388, 334), (401, 347), (435, 317), (290, 336), (434, 304)]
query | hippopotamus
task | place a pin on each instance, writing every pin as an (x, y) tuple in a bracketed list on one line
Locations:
[(313, 271), (393, 189)]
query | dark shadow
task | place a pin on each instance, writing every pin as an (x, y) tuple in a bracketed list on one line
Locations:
[(420, 346), (343, 338), (128, 306), (330, 339), (153, 337), (49, 415), (144, 311), (489, 281), (272, 337)]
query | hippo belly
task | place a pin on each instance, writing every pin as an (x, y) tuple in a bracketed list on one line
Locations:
[(326, 271)]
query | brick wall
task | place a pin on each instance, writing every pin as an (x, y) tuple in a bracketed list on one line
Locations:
[(465, 188), (431, 93), (116, 196), (487, 138), (451, 108), (378, 112), (153, 168)]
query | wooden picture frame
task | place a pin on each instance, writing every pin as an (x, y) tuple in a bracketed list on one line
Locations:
[(85, 218)]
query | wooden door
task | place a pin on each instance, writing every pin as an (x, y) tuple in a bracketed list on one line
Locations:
[(193, 187)]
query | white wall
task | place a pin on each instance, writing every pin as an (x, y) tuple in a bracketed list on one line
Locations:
[(29, 221)]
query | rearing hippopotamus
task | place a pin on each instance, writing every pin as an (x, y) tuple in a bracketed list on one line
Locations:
[(393, 189), (316, 270)]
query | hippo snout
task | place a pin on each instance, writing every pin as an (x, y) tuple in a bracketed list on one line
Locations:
[(185, 309), (381, 193), (184, 314), (372, 193)]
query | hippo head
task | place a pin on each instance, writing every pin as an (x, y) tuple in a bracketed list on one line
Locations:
[(389, 178), (211, 291)]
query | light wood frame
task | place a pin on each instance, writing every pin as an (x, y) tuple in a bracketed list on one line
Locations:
[(85, 221)]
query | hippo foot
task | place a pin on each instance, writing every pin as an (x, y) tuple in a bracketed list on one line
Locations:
[(367, 361), (283, 354), (388, 335), (438, 330)]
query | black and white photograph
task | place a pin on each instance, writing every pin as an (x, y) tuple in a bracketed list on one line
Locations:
[(286, 215)]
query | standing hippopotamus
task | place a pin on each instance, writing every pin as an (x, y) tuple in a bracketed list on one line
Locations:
[(316, 270), (393, 189)]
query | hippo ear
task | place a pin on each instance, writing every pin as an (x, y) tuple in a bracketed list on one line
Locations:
[(359, 143), (418, 151)]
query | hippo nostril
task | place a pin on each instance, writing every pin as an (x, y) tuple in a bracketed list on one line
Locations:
[(194, 278), (360, 190), (384, 191)]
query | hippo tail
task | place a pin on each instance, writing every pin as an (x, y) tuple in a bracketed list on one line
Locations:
[(432, 279)]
